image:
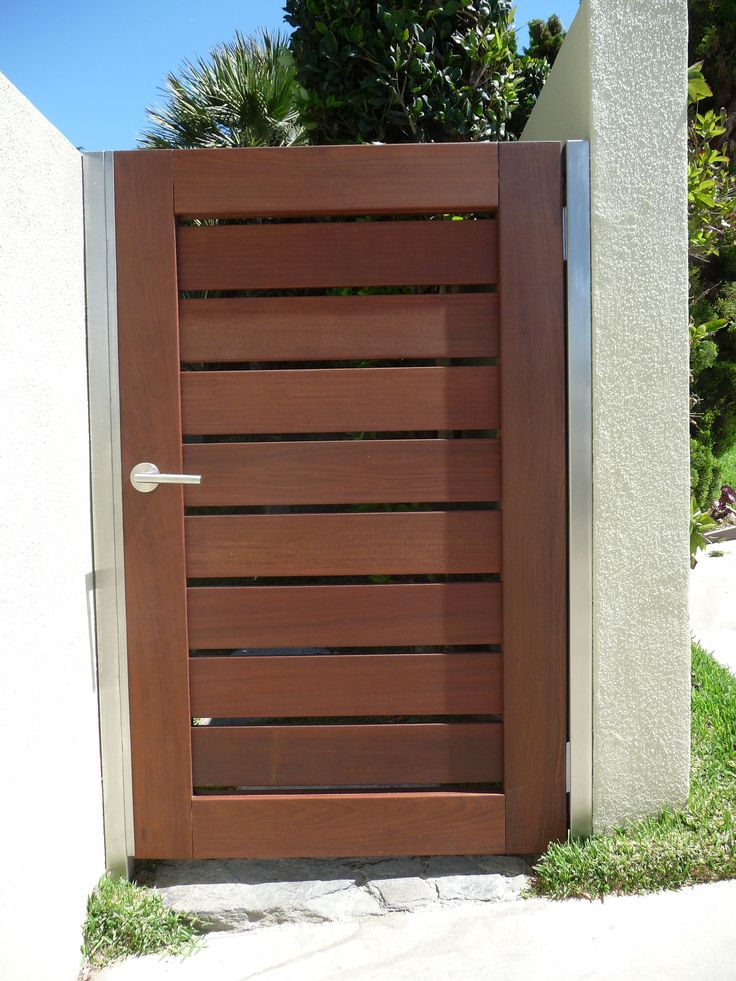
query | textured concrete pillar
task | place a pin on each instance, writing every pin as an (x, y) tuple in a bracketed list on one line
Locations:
[(51, 820), (620, 82)]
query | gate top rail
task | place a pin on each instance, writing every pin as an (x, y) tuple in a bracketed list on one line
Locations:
[(281, 182)]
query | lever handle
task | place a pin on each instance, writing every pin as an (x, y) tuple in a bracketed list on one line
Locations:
[(146, 477)]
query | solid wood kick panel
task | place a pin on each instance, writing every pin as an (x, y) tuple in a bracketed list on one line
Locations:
[(334, 825)]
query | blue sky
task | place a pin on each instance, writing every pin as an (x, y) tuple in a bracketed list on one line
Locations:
[(92, 68)]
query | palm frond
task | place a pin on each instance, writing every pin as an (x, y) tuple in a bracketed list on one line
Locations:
[(242, 94)]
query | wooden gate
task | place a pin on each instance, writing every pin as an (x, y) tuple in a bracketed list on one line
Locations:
[(366, 594)]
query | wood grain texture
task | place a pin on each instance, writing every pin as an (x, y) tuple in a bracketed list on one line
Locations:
[(332, 825), (336, 254), (316, 328), (534, 455), (336, 180), (344, 616), (343, 472), (153, 523), (441, 542), (428, 754), (461, 683), (339, 400)]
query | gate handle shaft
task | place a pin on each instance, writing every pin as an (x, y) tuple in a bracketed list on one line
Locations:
[(145, 477)]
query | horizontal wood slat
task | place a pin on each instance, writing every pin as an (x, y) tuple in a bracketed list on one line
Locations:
[(343, 472), (461, 683), (332, 825), (335, 180), (339, 400), (347, 755), (315, 328), (344, 616), (343, 544), (337, 254)]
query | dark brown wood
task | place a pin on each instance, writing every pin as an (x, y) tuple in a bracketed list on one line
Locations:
[(366, 471), (344, 616), (401, 543), (378, 253), (428, 754), (316, 328), (153, 523), (332, 825), (527, 613), (336, 180), (461, 683), (534, 455), (339, 400)]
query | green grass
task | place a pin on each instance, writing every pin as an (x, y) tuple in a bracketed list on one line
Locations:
[(124, 920), (677, 848), (728, 464)]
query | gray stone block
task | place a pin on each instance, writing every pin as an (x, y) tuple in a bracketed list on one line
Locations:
[(479, 888)]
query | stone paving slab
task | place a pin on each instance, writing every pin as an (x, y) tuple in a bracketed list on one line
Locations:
[(243, 894)]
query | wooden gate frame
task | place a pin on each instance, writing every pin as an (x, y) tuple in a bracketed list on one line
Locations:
[(522, 306)]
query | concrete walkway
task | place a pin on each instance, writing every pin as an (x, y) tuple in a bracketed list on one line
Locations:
[(713, 602), (684, 935)]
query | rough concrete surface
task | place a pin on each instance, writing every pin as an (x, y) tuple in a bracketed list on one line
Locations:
[(684, 935), (713, 602), (641, 480), (49, 720), (242, 894)]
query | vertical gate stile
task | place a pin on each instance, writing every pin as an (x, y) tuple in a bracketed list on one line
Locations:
[(533, 447), (153, 523)]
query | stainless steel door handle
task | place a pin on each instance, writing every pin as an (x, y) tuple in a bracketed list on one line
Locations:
[(145, 477)]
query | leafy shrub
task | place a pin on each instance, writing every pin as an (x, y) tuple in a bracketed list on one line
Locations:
[(700, 523), (711, 208), (418, 71), (711, 186)]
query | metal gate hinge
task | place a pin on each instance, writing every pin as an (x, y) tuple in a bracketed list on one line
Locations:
[(568, 768), (564, 233)]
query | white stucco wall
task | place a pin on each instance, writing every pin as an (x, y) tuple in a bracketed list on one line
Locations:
[(51, 815), (620, 82)]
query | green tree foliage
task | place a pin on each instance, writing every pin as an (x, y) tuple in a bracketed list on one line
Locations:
[(712, 207), (243, 94), (415, 71), (545, 39), (712, 40), (711, 187)]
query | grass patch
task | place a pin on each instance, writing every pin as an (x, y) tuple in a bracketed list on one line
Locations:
[(727, 463), (677, 848), (124, 920)]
